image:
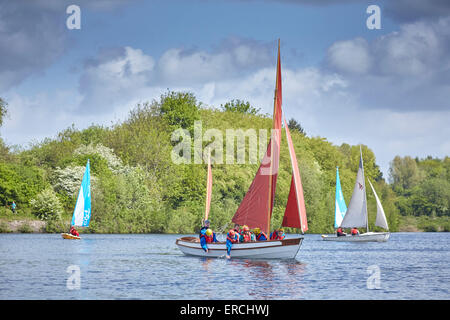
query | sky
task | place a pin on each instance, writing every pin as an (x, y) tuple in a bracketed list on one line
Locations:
[(386, 88)]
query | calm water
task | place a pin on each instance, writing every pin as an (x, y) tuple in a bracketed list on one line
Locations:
[(35, 266)]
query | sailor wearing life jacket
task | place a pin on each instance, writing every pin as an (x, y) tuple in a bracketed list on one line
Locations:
[(232, 237), (260, 236), (245, 235), (207, 236), (277, 234)]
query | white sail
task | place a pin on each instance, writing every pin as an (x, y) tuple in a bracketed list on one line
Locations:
[(381, 217), (356, 215), (82, 212)]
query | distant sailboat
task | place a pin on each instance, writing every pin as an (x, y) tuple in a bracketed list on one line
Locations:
[(82, 212), (356, 215), (255, 209)]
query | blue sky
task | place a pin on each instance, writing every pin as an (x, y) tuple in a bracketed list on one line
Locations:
[(387, 88)]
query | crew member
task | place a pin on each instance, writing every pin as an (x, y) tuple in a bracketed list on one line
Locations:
[(232, 237), (340, 232), (260, 236), (74, 232)]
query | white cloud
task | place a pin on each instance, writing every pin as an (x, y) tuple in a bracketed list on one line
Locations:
[(350, 56)]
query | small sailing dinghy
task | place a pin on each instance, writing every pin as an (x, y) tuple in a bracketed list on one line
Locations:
[(255, 209), (356, 215), (82, 212)]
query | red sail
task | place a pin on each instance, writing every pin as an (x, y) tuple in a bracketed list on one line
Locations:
[(255, 209), (295, 213)]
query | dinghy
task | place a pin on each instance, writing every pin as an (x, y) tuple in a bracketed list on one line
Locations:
[(356, 215), (255, 210), (82, 212)]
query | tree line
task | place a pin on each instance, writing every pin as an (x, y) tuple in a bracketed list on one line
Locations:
[(137, 188)]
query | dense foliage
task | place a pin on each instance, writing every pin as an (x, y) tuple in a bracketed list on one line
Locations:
[(137, 188)]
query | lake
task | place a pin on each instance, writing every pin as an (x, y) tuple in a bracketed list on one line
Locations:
[(100, 266)]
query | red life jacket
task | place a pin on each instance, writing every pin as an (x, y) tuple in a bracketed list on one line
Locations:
[(74, 232), (247, 237), (354, 231), (209, 239), (276, 236)]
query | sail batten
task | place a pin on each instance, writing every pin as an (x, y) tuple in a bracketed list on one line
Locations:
[(82, 212)]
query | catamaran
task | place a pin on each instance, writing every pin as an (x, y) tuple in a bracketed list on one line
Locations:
[(256, 208), (356, 215), (82, 212)]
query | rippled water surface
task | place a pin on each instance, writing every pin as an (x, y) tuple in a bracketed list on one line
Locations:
[(37, 266)]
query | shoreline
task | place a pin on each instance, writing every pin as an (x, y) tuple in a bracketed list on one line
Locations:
[(38, 226)]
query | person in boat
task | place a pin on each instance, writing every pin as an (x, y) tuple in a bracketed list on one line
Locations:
[(355, 232), (207, 236), (277, 234), (340, 232), (245, 235), (237, 228), (206, 226), (232, 237), (259, 235), (74, 231)]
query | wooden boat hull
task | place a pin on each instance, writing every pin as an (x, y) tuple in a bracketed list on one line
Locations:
[(69, 236), (272, 249), (365, 237)]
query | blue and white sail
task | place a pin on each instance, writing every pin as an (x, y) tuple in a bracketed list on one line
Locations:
[(340, 207), (82, 213)]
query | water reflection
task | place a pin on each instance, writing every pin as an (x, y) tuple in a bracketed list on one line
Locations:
[(271, 279)]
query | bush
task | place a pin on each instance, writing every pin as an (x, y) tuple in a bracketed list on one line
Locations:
[(46, 205), (25, 228)]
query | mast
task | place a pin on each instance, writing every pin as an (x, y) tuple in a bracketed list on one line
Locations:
[(256, 208), (277, 135), (365, 193), (208, 188)]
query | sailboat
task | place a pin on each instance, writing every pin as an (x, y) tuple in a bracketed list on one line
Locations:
[(256, 208), (356, 215), (82, 212)]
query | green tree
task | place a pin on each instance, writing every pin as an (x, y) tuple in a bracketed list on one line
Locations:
[(179, 109), (294, 125), (240, 107), (404, 173)]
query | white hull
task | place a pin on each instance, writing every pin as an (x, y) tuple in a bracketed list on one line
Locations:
[(365, 237), (273, 249)]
